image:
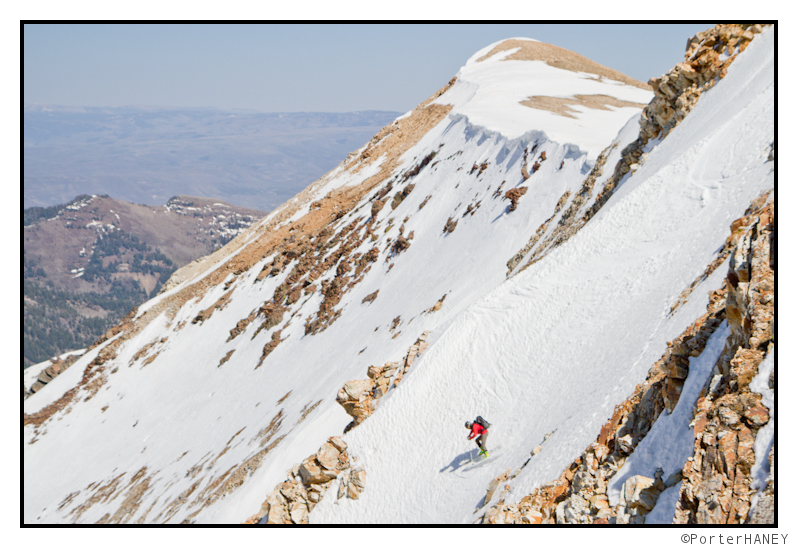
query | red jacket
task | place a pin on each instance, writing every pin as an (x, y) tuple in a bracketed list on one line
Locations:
[(476, 430)]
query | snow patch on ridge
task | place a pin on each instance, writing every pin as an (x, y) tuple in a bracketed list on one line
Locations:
[(490, 93)]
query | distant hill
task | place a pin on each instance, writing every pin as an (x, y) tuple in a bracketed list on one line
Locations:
[(88, 262), (145, 155)]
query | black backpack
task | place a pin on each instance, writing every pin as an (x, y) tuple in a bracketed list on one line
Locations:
[(482, 422)]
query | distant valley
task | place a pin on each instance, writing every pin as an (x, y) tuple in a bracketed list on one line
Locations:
[(145, 155), (88, 262)]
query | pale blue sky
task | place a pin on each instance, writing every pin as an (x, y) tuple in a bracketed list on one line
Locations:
[(287, 68)]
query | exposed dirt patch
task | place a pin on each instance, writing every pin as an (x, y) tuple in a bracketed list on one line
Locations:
[(308, 409), (220, 304), (560, 58), (102, 493), (269, 347), (138, 486), (562, 106), (449, 226), (266, 433), (94, 376), (225, 358), (370, 297)]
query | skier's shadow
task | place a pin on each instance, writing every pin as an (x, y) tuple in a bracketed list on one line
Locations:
[(460, 460)]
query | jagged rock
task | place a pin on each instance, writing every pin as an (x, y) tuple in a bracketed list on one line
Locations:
[(582, 480), (370, 297), (356, 484), (559, 513), (298, 510), (338, 443), (330, 457), (400, 196), (277, 509), (56, 367), (514, 195), (717, 485), (437, 306), (311, 472), (401, 244), (357, 390), (677, 92), (356, 399), (359, 398), (293, 500), (758, 415), (599, 502), (376, 207), (639, 492), (625, 444), (494, 484)]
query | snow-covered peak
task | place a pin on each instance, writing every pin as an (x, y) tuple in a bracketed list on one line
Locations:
[(519, 85)]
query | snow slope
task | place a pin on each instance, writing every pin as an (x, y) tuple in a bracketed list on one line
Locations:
[(508, 357), (551, 349)]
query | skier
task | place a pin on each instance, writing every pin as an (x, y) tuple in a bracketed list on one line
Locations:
[(479, 428)]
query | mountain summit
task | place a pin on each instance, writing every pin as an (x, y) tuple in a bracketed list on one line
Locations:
[(535, 243), (520, 85)]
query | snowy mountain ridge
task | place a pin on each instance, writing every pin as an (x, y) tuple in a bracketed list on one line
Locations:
[(381, 294)]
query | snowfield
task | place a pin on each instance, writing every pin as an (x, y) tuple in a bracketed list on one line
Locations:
[(509, 356), (549, 350)]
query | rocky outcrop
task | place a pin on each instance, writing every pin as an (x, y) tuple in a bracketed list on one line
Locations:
[(370, 297), (415, 170), (717, 487), (376, 207), (352, 484), (450, 226), (717, 483), (479, 168), (292, 501), (400, 196), (359, 397), (218, 305), (676, 93), (56, 367), (706, 61), (399, 245), (518, 257), (437, 306), (514, 194)]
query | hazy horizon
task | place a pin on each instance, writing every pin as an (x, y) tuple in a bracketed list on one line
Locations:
[(300, 68)]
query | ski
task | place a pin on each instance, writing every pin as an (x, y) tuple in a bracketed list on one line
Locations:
[(478, 461)]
